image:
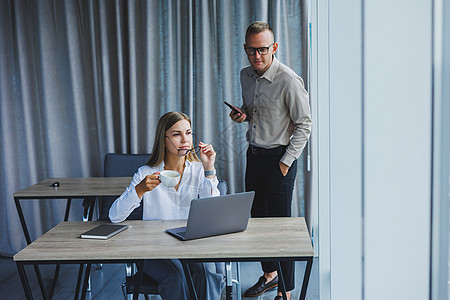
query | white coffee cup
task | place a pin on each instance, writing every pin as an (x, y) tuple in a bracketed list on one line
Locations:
[(169, 178)]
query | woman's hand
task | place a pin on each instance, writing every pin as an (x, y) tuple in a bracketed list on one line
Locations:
[(147, 184), (207, 156)]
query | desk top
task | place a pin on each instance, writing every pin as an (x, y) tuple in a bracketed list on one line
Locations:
[(76, 187), (264, 238)]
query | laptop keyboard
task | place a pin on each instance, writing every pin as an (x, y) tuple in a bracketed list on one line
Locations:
[(181, 233)]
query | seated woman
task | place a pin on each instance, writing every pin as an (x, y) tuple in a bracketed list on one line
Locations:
[(172, 150)]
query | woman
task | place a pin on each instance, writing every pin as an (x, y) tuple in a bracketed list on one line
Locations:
[(173, 150)]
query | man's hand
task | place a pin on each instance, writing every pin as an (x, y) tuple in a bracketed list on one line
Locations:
[(284, 168), (238, 117)]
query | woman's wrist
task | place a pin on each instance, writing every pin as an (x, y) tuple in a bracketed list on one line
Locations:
[(209, 167), (210, 173), (139, 193)]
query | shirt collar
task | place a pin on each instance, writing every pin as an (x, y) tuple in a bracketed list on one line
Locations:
[(271, 71), (186, 163)]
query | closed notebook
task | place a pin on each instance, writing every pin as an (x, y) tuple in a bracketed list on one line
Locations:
[(104, 231)]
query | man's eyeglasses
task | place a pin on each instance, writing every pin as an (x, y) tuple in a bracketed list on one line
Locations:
[(193, 150), (261, 50)]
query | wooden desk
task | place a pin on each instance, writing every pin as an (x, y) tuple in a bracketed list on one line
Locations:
[(84, 187), (87, 188), (147, 240)]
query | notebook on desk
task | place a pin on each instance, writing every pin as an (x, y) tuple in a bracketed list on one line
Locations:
[(215, 216), (104, 231)]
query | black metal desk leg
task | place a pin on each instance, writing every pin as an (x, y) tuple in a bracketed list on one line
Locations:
[(91, 208), (281, 280), (28, 240), (66, 215), (140, 267), (55, 278), (24, 279), (187, 273), (229, 281), (41, 282), (86, 281), (309, 263), (79, 279), (22, 220)]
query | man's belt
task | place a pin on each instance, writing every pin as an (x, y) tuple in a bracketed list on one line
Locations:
[(263, 151)]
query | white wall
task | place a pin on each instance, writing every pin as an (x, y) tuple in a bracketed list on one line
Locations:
[(372, 75), (398, 102), (345, 147)]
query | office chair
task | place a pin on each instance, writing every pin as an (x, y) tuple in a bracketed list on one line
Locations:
[(121, 165), (124, 165)]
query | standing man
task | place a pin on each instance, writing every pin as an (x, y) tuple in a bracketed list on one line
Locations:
[(276, 108)]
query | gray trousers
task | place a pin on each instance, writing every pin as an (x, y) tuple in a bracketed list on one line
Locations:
[(208, 278)]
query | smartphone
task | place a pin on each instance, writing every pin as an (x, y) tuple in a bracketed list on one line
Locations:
[(234, 108)]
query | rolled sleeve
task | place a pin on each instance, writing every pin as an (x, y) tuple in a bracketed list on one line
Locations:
[(297, 101), (127, 202), (209, 187)]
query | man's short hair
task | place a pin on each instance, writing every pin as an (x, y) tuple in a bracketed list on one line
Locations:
[(257, 27)]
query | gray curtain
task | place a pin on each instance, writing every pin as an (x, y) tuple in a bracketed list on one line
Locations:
[(79, 79)]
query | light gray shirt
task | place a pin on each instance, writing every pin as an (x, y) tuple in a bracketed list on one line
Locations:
[(277, 109)]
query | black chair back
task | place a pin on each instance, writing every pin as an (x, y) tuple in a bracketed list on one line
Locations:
[(121, 165)]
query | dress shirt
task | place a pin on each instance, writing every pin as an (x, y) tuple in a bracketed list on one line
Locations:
[(277, 109), (164, 203)]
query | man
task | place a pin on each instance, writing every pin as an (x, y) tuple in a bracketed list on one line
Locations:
[(276, 108)]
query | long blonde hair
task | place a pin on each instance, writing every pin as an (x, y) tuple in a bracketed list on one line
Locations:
[(164, 124)]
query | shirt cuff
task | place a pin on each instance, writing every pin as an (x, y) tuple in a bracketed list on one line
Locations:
[(287, 159), (214, 181), (134, 197)]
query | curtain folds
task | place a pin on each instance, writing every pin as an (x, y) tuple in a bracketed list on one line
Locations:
[(80, 79)]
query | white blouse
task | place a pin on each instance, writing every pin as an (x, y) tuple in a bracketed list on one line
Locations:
[(164, 203)]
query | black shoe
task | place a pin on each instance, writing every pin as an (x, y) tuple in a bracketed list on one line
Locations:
[(261, 286)]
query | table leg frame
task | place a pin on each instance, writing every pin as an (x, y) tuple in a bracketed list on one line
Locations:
[(140, 272), (28, 240), (22, 220), (185, 263), (66, 214), (86, 281), (91, 201), (229, 282), (55, 277), (79, 280), (190, 282), (26, 285), (281, 280), (24, 280), (306, 276)]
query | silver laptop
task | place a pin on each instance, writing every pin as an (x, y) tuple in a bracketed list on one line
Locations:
[(216, 215)]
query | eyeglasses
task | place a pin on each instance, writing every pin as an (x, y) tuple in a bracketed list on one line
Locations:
[(193, 150), (261, 50)]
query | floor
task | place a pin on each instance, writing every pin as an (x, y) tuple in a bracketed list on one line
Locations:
[(107, 281)]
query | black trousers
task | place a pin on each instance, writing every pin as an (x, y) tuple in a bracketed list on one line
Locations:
[(273, 195)]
